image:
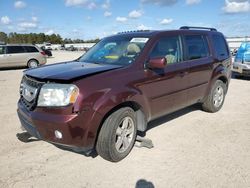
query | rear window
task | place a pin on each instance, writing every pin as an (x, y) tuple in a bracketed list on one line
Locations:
[(197, 46), (15, 49), (220, 47), (30, 49)]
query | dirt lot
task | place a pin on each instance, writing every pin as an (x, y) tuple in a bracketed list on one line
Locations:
[(192, 148)]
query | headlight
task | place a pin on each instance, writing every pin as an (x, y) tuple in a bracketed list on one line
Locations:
[(57, 95)]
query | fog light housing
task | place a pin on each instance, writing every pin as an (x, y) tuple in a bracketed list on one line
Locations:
[(58, 134)]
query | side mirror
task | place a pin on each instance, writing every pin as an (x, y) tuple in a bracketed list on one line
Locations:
[(157, 63)]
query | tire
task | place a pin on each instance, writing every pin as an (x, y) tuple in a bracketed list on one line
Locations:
[(117, 135), (33, 63), (215, 100)]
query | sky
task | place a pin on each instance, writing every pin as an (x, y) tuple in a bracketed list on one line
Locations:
[(90, 19)]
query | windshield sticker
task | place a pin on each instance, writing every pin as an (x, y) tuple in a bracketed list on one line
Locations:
[(139, 40)]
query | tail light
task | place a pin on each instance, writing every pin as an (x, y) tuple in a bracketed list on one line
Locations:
[(43, 53)]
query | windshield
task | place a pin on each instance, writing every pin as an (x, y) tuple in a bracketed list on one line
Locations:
[(115, 50)]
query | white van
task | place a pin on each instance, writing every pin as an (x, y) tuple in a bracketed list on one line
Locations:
[(14, 55)]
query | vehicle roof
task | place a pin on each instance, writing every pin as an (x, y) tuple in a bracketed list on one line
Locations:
[(151, 33), (17, 45)]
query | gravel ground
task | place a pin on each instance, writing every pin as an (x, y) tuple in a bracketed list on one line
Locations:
[(192, 148)]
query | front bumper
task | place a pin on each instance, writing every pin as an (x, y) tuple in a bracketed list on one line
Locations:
[(42, 125), (241, 69)]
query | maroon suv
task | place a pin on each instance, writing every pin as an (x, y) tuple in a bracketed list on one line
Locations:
[(102, 99)]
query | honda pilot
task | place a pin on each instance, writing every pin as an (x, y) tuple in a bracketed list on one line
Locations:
[(104, 98)]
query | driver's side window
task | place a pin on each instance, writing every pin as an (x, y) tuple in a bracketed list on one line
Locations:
[(169, 48)]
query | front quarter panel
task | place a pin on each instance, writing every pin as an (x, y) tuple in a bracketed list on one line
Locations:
[(104, 92)]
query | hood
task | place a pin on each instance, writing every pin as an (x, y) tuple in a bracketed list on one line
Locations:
[(68, 71)]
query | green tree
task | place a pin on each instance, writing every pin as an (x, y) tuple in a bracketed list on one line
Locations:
[(3, 37), (39, 38)]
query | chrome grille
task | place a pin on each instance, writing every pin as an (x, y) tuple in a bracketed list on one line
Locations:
[(29, 90)]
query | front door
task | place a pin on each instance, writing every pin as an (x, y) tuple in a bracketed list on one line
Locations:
[(165, 89)]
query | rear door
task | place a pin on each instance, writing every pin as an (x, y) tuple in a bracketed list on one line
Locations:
[(16, 56), (33, 53), (200, 62), (165, 89)]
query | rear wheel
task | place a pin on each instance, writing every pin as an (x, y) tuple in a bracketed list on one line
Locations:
[(117, 135), (216, 97), (33, 63)]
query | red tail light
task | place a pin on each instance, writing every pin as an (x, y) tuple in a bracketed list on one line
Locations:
[(43, 53)]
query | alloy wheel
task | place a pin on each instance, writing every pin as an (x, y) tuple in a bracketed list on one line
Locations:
[(124, 134)]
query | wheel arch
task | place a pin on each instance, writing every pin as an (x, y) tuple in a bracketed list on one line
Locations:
[(223, 78), (219, 73), (140, 115)]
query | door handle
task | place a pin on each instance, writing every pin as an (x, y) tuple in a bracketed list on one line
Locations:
[(183, 73)]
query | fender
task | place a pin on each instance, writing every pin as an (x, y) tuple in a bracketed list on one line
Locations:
[(109, 100)]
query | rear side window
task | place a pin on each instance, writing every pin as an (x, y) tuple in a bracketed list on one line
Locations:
[(15, 49), (2, 50), (220, 47), (30, 49), (197, 46)]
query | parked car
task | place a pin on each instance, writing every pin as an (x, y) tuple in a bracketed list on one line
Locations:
[(101, 100), (47, 52), (234, 51), (71, 48), (241, 65), (14, 55), (47, 46), (61, 47)]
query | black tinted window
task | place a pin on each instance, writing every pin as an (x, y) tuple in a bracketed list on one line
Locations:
[(30, 49), (168, 47), (15, 49), (2, 50), (197, 46), (220, 46)]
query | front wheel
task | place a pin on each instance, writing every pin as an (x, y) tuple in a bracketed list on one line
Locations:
[(216, 97), (117, 135)]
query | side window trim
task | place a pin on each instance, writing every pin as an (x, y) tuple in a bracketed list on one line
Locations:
[(205, 39), (181, 55)]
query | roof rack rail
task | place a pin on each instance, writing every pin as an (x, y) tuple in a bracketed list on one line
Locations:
[(203, 28), (133, 31)]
